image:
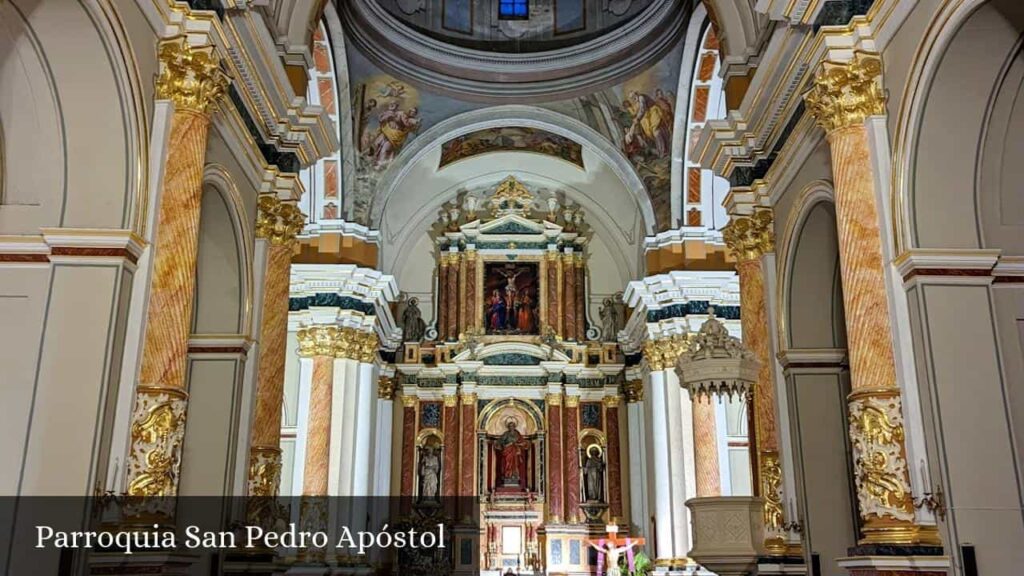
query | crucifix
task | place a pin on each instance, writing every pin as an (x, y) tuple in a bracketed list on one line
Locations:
[(609, 549)]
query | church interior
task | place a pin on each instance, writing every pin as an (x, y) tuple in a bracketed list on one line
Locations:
[(613, 287)]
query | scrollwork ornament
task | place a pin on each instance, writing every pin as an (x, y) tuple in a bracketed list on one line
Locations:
[(189, 76), (318, 341), (845, 94), (157, 431), (279, 222), (264, 472), (771, 491), (880, 466)]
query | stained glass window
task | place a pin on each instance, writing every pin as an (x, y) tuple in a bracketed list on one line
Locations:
[(514, 9)]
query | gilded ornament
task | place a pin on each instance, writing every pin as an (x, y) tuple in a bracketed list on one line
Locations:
[(880, 466), (771, 491), (158, 427), (450, 400), (409, 401), (468, 398), (553, 399), (511, 197), (264, 472), (277, 221), (846, 94), (750, 237), (611, 401), (663, 353), (634, 391), (385, 388), (189, 76), (318, 340), (572, 401)]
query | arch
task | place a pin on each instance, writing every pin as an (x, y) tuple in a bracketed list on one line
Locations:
[(63, 81), (814, 195), (528, 408), (519, 115), (930, 216), (223, 212)]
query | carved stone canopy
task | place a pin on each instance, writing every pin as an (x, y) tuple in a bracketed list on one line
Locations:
[(717, 363)]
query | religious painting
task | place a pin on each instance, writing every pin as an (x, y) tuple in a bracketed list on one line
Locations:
[(387, 113), (511, 301), (511, 139)]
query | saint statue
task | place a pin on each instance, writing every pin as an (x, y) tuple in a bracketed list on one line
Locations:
[(413, 325), (609, 320), (593, 475), (512, 448), (430, 474)]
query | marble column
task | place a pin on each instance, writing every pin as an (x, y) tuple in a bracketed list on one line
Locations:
[(467, 454), (277, 222), (705, 446), (190, 77), (750, 238), (453, 296), (450, 428), (611, 418), (636, 423), (471, 307), (554, 319), (664, 407), (572, 458), (320, 344), (569, 297), (556, 486), (408, 450), (442, 297), (581, 282), (383, 442), (843, 96)]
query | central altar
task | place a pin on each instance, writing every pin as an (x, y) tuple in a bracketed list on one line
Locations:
[(506, 398)]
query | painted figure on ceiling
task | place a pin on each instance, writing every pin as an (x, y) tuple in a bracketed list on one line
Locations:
[(651, 126), (395, 126)]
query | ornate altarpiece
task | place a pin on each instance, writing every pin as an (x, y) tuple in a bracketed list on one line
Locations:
[(516, 395)]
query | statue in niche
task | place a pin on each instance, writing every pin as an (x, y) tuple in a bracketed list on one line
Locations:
[(430, 474), (512, 448), (593, 475), (611, 320), (413, 326)]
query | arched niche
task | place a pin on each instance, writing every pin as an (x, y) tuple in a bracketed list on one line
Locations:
[(75, 144), (962, 133), (223, 303), (813, 333)]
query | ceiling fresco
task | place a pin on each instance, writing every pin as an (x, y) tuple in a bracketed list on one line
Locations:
[(636, 115)]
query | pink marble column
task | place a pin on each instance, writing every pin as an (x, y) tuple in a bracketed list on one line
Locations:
[(556, 487), (572, 459)]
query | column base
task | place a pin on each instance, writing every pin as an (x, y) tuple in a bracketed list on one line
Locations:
[(141, 563), (929, 565), (789, 565)]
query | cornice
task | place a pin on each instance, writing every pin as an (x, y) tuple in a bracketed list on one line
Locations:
[(243, 40), (492, 76), (758, 133)]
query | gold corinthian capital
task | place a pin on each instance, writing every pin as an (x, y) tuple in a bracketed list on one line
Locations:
[(750, 237), (189, 76), (278, 221), (844, 94)]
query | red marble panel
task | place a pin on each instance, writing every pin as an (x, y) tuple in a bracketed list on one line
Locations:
[(451, 450), (572, 463), (614, 463), (711, 40), (467, 472), (700, 104), (326, 88), (321, 59), (555, 488), (693, 185), (408, 449), (330, 179), (693, 217), (553, 318), (707, 67)]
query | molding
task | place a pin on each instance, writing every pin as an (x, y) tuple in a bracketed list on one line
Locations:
[(812, 358), (502, 76), (931, 262), (90, 245), (219, 345)]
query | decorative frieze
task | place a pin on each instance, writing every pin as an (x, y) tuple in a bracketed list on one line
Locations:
[(880, 465), (339, 342)]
